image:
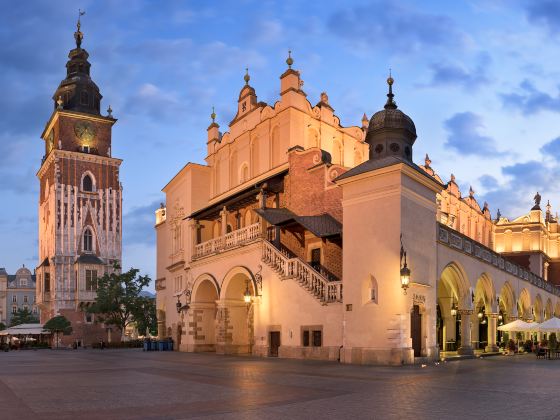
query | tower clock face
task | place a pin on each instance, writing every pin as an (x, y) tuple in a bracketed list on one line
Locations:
[(85, 131)]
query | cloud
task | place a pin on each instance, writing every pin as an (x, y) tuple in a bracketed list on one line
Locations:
[(465, 137), (152, 101), (138, 225), (267, 31), (488, 182), (544, 12), (551, 149), (449, 74), (529, 100), (394, 26)]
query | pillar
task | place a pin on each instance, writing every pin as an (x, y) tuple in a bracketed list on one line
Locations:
[(492, 322), (224, 213), (466, 347)]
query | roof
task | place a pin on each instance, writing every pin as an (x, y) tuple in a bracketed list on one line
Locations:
[(89, 259), (3, 271), (373, 164), (322, 225)]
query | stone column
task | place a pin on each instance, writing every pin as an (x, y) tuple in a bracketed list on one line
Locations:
[(224, 213), (492, 322), (466, 347)]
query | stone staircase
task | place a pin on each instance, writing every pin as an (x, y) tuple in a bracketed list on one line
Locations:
[(288, 267)]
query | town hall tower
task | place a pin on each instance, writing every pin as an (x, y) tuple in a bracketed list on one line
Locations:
[(80, 201)]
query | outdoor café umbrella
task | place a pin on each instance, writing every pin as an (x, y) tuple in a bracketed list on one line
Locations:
[(550, 325), (518, 326)]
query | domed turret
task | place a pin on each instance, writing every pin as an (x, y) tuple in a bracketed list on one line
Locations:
[(78, 92), (390, 132)]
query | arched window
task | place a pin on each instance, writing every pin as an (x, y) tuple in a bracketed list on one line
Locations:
[(87, 184), (243, 173), (88, 241)]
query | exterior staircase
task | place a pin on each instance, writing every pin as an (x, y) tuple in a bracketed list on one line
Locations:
[(289, 267)]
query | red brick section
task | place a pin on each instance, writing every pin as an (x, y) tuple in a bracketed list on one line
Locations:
[(88, 333), (64, 130), (309, 191)]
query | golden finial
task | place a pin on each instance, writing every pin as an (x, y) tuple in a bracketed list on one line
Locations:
[(390, 79), (390, 104), (289, 60), (247, 77), (213, 116)]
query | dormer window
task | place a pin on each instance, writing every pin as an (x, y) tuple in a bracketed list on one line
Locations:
[(87, 184)]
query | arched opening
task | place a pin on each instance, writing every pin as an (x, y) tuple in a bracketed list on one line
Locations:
[(506, 312), (485, 334), (538, 309), (243, 173), (202, 314), (548, 311), (247, 218), (453, 303), (235, 315), (88, 240), (87, 183), (557, 309)]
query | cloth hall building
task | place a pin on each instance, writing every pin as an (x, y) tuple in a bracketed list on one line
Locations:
[(302, 238)]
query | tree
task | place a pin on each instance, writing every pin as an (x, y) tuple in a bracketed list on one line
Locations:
[(23, 316), (145, 315), (58, 324), (2, 326), (118, 298)]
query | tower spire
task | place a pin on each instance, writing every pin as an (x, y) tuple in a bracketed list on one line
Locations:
[(390, 104), (78, 35)]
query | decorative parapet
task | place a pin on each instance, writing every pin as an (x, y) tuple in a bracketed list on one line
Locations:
[(466, 245), (229, 241)]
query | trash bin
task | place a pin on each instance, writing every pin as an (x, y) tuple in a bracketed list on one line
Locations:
[(147, 346), (170, 344), (162, 345)]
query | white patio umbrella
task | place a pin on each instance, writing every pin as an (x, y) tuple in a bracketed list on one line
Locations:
[(518, 326), (550, 325)]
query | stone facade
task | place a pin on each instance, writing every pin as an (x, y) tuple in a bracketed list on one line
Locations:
[(292, 239)]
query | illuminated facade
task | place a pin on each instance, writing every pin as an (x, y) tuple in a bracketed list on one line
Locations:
[(290, 240), (80, 200)]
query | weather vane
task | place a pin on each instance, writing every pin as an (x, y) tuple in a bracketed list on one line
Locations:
[(78, 36)]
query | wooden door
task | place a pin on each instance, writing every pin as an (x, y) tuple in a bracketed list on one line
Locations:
[(316, 258), (416, 330), (274, 343)]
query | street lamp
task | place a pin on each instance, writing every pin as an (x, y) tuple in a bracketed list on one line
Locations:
[(247, 294), (405, 271), (454, 309)]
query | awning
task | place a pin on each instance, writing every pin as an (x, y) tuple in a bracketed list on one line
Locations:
[(323, 225), (25, 329), (89, 259)]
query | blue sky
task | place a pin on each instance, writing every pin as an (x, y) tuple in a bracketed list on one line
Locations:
[(479, 78)]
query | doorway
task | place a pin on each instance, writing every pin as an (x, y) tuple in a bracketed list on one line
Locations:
[(274, 343), (316, 258), (416, 330)]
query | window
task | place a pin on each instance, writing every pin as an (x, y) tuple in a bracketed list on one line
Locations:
[(34, 309), (14, 299), (89, 318), (14, 309), (178, 283), (88, 241), (25, 298), (25, 307), (23, 282), (91, 280), (84, 98), (47, 282), (312, 336), (87, 183)]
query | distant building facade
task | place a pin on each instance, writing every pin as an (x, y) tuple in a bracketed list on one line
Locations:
[(80, 202), (17, 292), (294, 240)]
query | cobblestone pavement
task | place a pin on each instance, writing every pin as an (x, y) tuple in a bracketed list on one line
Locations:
[(131, 384)]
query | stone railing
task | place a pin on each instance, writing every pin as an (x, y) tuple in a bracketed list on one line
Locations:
[(455, 240), (321, 288), (231, 240)]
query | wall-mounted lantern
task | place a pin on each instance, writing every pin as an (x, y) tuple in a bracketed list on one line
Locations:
[(405, 271), (454, 309)]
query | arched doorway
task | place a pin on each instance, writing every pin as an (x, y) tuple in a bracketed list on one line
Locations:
[(235, 326), (506, 312), (453, 305), (202, 322), (485, 314)]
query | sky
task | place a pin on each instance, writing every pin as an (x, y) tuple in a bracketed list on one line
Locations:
[(480, 79)]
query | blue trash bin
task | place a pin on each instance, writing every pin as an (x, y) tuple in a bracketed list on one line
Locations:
[(170, 344), (162, 345), (147, 346)]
